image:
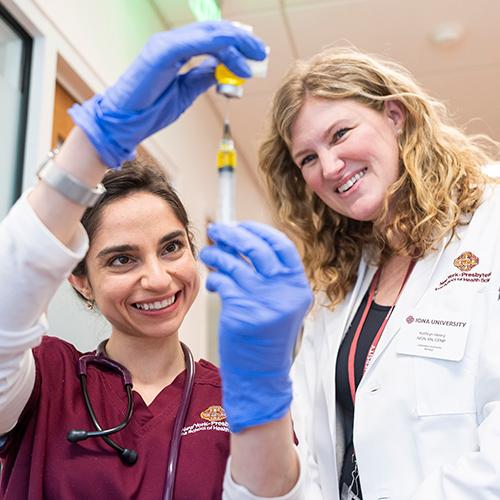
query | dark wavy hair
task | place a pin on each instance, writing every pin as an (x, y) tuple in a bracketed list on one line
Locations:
[(134, 176)]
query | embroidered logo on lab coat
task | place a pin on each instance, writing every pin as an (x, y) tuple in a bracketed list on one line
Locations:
[(466, 261)]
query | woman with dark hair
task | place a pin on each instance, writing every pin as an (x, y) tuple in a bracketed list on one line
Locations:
[(72, 426)]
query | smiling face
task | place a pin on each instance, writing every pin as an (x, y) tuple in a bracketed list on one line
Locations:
[(141, 271), (348, 153)]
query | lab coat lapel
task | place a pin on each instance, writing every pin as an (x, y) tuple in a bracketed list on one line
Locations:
[(414, 290), (336, 327)]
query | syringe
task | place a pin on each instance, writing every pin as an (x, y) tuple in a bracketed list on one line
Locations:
[(229, 85), (226, 162)]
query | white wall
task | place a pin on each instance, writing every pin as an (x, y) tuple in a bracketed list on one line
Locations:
[(96, 40)]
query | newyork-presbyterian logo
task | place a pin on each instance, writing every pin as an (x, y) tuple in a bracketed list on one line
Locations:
[(213, 413), (466, 261), (215, 420)]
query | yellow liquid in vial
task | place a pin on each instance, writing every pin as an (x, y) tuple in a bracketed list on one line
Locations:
[(227, 77), (226, 158)]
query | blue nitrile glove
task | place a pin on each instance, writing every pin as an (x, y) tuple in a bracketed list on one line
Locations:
[(151, 93), (264, 301)]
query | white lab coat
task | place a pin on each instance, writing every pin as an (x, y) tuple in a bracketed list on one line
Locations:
[(425, 428)]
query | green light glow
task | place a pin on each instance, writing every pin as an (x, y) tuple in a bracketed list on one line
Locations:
[(205, 10)]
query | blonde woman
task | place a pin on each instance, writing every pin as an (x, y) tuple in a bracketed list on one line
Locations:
[(396, 387)]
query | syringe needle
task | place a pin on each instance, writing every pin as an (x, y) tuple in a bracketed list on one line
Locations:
[(226, 111)]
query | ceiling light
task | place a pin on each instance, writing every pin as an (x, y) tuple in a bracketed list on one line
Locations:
[(447, 34)]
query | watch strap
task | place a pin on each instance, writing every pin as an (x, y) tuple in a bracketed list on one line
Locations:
[(68, 185)]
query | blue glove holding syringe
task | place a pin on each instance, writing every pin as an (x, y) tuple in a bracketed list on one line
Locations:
[(153, 92)]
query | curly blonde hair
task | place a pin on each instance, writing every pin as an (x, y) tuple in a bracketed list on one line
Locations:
[(440, 184)]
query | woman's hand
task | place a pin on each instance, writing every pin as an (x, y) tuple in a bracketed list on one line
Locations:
[(152, 93), (265, 296)]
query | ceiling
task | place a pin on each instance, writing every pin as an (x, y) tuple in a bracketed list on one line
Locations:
[(463, 70)]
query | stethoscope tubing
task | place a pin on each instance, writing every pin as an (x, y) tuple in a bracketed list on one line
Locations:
[(100, 358), (180, 419)]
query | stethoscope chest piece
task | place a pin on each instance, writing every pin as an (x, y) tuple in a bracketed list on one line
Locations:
[(127, 456)]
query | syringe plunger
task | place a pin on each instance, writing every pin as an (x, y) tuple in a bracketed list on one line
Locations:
[(225, 209)]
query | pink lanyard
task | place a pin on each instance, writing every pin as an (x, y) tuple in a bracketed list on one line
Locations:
[(371, 351)]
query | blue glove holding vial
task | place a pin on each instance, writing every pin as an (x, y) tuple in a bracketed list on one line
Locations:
[(265, 295), (152, 92)]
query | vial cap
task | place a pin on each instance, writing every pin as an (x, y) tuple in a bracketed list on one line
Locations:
[(230, 91)]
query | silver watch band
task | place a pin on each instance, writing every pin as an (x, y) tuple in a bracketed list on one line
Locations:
[(68, 185)]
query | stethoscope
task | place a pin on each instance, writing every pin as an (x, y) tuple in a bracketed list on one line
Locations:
[(129, 456)]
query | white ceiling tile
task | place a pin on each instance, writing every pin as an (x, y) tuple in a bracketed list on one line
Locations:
[(313, 3), (177, 12), (400, 30), (174, 12), (232, 8), (470, 96)]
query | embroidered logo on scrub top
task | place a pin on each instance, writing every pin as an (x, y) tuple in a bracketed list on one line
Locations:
[(410, 320), (213, 414), (215, 420), (466, 261)]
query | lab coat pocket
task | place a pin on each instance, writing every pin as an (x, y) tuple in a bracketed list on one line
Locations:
[(444, 387)]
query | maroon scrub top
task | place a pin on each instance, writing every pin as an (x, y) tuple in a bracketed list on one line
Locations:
[(40, 463)]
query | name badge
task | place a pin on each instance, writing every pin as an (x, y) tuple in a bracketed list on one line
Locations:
[(435, 335)]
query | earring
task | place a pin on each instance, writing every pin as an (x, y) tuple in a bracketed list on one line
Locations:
[(90, 304)]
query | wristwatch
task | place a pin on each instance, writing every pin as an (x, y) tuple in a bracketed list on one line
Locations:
[(68, 185)]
